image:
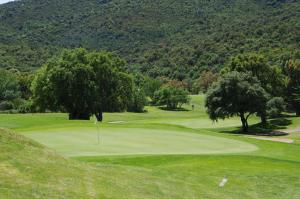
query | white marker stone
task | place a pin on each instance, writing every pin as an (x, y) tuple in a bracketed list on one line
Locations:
[(223, 182)]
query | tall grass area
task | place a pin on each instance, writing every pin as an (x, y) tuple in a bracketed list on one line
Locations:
[(32, 164)]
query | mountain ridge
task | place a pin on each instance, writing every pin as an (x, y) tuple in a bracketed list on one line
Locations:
[(160, 38)]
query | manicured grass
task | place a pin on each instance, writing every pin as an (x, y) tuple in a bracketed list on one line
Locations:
[(82, 141), (158, 154)]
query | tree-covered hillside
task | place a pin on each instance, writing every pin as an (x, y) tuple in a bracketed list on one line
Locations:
[(171, 38)]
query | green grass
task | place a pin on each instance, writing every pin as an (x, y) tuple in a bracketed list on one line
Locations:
[(158, 154), (82, 141)]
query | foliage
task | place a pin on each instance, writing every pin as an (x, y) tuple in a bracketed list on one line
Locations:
[(177, 39), (270, 77), (236, 94), (9, 89), (175, 83), (171, 97), (151, 86), (275, 107), (6, 105), (206, 79), (25, 80), (138, 102), (82, 84), (147, 84), (292, 69)]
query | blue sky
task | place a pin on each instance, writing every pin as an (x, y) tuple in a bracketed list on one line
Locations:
[(4, 1)]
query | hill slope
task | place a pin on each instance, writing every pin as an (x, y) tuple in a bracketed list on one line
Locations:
[(28, 170), (161, 37)]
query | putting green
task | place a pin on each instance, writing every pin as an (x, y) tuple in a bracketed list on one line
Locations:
[(126, 141)]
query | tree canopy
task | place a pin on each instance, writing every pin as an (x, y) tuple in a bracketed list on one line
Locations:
[(83, 83), (270, 77), (236, 94), (292, 69), (171, 97)]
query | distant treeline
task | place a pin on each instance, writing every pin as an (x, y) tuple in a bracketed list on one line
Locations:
[(66, 77), (173, 39), (85, 83)]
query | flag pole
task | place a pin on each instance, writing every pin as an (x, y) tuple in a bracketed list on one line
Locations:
[(98, 133)]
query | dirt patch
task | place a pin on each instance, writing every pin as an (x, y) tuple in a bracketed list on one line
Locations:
[(296, 130), (283, 140)]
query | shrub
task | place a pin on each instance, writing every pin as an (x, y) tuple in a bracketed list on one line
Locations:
[(171, 97), (275, 107), (139, 100), (26, 107), (6, 105)]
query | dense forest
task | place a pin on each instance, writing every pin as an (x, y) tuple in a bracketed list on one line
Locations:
[(172, 38)]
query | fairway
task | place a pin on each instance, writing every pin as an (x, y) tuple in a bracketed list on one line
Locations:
[(156, 154), (82, 141)]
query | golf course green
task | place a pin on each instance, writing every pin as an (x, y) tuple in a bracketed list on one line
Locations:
[(133, 141), (156, 154)]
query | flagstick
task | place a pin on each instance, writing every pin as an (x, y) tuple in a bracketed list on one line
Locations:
[(98, 133), (98, 129)]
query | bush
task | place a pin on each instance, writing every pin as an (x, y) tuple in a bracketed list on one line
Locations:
[(275, 107), (26, 107), (6, 105), (139, 100), (171, 97), (9, 88)]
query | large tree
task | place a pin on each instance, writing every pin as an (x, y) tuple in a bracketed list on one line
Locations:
[(236, 94), (270, 77), (82, 84)]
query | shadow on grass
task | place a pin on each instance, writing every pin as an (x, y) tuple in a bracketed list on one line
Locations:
[(270, 129), (172, 109)]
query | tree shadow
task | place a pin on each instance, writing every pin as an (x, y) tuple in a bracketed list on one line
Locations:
[(172, 109), (269, 129)]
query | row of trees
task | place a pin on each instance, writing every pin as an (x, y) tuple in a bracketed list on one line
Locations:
[(250, 85), (84, 83), (79, 82)]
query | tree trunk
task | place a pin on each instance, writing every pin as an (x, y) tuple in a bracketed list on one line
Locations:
[(298, 111), (99, 116), (263, 119), (79, 116), (244, 123)]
